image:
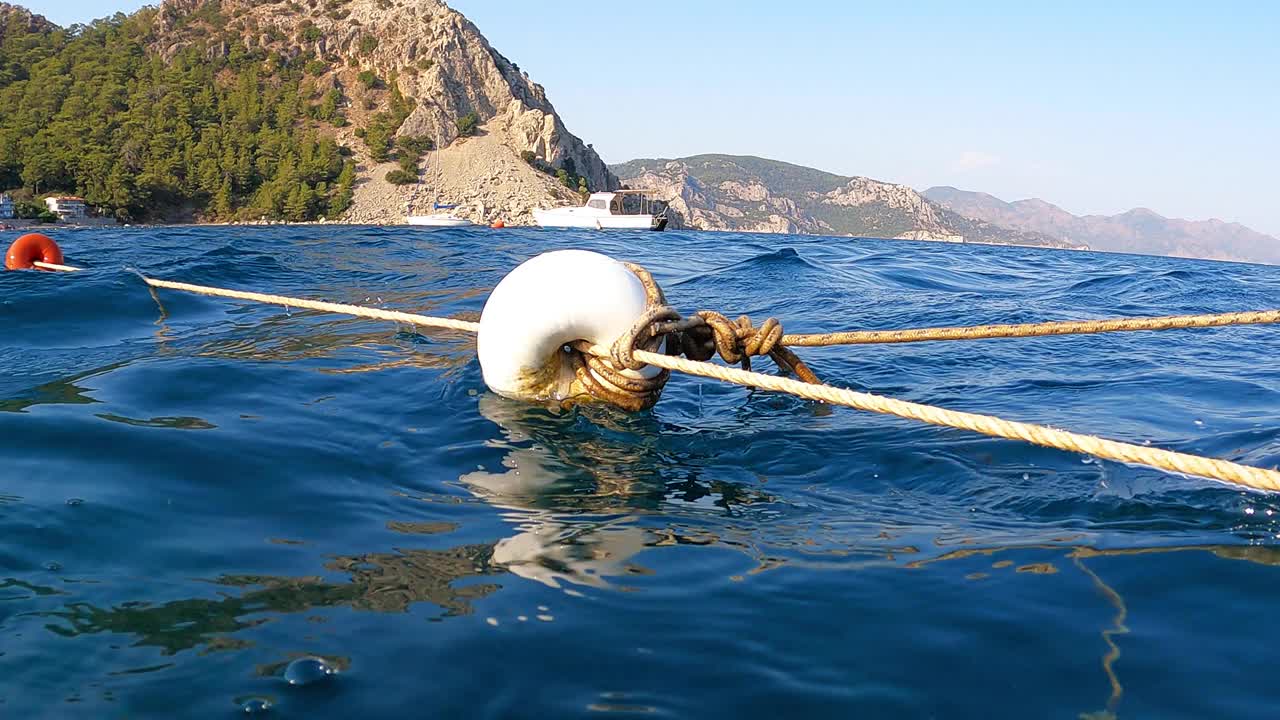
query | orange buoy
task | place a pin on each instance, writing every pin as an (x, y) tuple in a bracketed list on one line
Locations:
[(498, 225), (32, 248)]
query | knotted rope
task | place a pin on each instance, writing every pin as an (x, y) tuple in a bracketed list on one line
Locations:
[(662, 329), (660, 323)]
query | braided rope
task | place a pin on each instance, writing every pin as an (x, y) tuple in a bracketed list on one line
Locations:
[(338, 308), (1223, 470), (1070, 327)]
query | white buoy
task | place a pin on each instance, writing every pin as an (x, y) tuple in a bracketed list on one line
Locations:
[(545, 303)]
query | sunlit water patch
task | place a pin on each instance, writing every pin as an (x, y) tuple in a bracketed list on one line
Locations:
[(211, 508)]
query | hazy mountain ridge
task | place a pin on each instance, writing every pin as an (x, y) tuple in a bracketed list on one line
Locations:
[(1137, 231), (752, 194)]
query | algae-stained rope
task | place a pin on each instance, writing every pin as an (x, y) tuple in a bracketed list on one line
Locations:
[(1067, 327)]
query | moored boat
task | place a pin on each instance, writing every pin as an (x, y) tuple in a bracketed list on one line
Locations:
[(617, 210), (443, 220)]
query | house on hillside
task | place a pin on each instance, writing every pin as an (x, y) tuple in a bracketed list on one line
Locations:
[(6, 207), (68, 209)]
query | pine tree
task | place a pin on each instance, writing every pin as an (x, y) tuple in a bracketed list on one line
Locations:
[(95, 112)]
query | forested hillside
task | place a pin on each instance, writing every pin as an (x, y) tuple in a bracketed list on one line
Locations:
[(232, 134)]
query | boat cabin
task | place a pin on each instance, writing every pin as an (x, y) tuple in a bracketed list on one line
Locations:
[(624, 202)]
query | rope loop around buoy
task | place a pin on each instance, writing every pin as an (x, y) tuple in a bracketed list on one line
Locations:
[(702, 336)]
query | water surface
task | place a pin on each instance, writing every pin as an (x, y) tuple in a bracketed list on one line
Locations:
[(195, 492)]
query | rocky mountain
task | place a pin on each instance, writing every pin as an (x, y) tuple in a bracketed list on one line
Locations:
[(19, 21), (1137, 231), (751, 194), (234, 110), (445, 67)]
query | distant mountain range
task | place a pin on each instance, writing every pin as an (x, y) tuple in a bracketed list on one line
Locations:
[(1136, 231), (751, 194), (728, 192)]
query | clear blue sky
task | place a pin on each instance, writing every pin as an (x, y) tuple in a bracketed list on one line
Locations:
[(1096, 106)]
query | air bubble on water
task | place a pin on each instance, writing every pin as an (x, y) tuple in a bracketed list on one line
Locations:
[(492, 621), (1249, 511), (1086, 460), (1199, 423), (1026, 476), (546, 618), (308, 670), (254, 705), (522, 618), (543, 608)]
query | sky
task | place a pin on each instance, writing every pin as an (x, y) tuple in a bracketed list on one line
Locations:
[(1098, 107)]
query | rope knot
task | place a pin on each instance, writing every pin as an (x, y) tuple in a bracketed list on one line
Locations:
[(661, 329)]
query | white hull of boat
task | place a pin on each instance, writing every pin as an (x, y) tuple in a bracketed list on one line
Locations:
[(568, 218), (440, 221)]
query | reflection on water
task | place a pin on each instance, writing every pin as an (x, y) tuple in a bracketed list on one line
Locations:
[(575, 511), (59, 392), (381, 582), (172, 423), (578, 507)]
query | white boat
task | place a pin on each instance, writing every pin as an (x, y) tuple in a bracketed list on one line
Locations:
[(444, 220), (617, 210)]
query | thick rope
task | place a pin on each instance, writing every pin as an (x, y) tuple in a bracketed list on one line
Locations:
[(54, 266), (1072, 327), (338, 308), (1222, 470)]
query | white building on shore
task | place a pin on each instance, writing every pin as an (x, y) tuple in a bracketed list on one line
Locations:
[(6, 207), (67, 208)]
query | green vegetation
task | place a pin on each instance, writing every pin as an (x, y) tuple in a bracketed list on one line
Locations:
[(716, 169), (93, 113), (402, 177), (409, 150), (383, 127), (567, 174), (467, 124), (28, 209)]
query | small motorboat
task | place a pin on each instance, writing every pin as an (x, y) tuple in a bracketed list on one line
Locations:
[(617, 210)]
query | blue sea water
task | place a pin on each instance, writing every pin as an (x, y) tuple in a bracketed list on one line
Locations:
[(196, 493)]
